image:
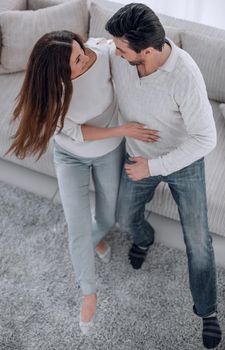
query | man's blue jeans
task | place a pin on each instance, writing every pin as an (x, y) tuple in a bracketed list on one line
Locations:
[(188, 190)]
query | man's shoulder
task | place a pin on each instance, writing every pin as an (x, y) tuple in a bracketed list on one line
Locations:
[(186, 65)]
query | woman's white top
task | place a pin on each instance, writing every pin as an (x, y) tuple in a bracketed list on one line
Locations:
[(93, 103)]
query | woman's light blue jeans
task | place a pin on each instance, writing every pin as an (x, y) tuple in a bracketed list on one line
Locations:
[(187, 187), (73, 174)]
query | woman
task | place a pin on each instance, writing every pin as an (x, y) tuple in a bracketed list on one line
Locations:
[(68, 91)]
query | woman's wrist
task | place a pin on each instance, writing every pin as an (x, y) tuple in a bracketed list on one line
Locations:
[(116, 131), (119, 131)]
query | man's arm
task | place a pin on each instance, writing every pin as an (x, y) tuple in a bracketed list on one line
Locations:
[(197, 115)]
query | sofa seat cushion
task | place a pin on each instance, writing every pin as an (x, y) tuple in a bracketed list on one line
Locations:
[(10, 85), (209, 56), (101, 11), (163, 202), (21, 29)]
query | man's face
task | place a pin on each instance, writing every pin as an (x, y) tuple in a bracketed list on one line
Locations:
[(123, 50)]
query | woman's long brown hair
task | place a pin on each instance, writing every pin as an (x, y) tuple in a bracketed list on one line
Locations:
[(45, 95)]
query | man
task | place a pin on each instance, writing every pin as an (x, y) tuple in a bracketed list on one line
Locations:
[(160, 86)]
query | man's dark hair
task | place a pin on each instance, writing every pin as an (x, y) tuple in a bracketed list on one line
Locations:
[(139, 25)]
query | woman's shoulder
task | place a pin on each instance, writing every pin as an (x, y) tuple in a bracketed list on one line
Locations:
[(99, 44)]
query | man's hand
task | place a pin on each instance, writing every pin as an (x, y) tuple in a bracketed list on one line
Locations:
[(138, 170)]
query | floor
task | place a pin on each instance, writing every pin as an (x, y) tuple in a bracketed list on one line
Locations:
[(168, 231)]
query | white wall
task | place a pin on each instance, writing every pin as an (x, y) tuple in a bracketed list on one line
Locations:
[(211, 12)]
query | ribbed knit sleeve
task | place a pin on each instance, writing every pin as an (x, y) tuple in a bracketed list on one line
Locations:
[(191, 97), (72, 130)]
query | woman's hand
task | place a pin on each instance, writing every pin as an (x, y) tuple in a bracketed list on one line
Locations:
[(139, 132)]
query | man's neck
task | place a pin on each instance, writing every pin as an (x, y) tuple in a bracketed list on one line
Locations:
[(156, 61)]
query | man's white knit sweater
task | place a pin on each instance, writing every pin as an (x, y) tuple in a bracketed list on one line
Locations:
[(172, 100)]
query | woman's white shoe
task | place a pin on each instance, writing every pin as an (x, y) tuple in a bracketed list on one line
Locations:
[(87, 327), (106, 255)]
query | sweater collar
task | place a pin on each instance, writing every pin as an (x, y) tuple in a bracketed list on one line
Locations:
[(169, 65)]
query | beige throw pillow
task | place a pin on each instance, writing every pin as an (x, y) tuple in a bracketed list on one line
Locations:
[(40, 4), (21, 30), (8, 5), (100, 12)]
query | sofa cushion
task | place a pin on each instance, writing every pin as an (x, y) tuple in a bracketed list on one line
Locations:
[(101, 11), (8, 5), (21, 29), (209, 56), (39, 4), (185, 25), (222, 109)]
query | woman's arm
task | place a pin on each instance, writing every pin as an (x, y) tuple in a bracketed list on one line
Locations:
[(81, 133), (134, 130)]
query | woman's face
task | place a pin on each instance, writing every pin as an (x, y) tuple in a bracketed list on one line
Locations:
[(78, 60)]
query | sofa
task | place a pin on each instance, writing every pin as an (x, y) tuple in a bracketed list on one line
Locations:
[(23, 22)]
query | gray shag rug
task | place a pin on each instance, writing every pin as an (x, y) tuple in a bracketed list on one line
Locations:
[(148, 309)]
